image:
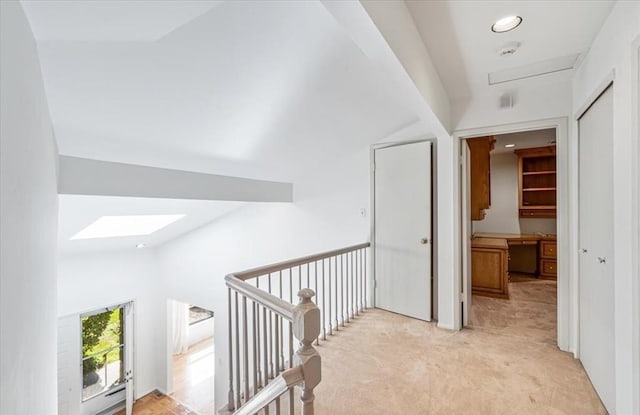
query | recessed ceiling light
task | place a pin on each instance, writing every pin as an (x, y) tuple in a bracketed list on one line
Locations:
[(506, 23), (141, 246), (509, 145), (115, 226)]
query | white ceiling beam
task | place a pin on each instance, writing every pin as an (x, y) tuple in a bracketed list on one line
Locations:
[(79, 176), (387, 35)]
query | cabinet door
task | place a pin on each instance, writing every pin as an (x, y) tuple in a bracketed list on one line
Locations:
[(480, 175), (489, 272)]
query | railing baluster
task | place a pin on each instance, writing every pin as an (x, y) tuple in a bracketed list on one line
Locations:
[(254, 344), (356, 277), (231, 398), (299, 277), (290, 366), (353, 280), (315, 274), (308, 270), (280, 329), (324, 305), (365, 278), (342, 281), (350, 313), (272, 373), (337, 301), (358, 285), (265, 363), (258, 331), (245, 349), (329, 306), (277, 356), (238, 393)]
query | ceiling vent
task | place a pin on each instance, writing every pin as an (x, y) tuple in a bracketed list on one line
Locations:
[(562, 63), (506, 101), (508, 49)]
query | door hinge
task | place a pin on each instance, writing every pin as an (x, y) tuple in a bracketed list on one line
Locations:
[(375, 283)]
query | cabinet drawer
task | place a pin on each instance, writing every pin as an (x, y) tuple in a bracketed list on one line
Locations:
[(537, 213), (548, 267), (548, 249)]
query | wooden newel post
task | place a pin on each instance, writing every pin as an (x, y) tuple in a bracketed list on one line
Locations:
[(306, 328)]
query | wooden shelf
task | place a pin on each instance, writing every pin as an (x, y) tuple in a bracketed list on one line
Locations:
[(539, 189), (537, 182), (537, 173)]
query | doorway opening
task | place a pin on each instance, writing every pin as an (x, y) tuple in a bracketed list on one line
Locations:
[(511, 244), (192, 358)]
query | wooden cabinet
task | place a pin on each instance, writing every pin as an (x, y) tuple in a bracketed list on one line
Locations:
[(548, 254), (479, 157), (489, 264), (537, 182)]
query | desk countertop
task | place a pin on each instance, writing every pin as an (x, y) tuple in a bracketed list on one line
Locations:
[(493, 243), (515, 236)]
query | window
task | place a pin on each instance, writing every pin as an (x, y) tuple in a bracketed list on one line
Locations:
[(102, 351), (198, 314)]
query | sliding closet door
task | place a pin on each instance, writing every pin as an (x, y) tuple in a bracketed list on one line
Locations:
[(597, 351)]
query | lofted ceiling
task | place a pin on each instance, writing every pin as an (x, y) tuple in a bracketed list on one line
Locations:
[(267, 90), (78, 212), (109, 21), (465, 51)]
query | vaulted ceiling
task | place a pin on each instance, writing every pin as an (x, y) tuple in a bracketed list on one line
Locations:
[(265, 89), (251, 88)]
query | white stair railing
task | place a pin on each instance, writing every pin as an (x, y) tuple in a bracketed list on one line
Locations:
[(263, 321)]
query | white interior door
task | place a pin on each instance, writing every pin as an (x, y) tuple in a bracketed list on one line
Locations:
[(402, 186), (128, 359), (595, 143)]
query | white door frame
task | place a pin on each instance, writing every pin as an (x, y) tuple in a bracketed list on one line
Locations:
[(566, 224), (434, 222), (635, 131)]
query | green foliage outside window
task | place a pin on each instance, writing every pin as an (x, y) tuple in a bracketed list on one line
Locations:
[(101, 332)]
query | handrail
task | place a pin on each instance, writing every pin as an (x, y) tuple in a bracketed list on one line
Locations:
[(256, 272), (278, 386), (265, 360), (273, 303)]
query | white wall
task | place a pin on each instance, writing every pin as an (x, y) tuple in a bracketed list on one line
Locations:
[(532, 102), (91, 281), (503, 216), (325, 216), (614, 50), (28, 202), (200, 331)]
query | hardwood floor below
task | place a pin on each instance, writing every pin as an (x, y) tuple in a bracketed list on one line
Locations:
[(193, 382), (155, 403)]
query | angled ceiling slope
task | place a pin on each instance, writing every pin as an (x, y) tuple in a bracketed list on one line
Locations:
[(268, 90)]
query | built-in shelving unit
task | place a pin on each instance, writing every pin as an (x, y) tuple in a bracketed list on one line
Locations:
[(537, 182)]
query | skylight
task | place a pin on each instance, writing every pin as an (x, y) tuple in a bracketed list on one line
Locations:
[(117, 226)]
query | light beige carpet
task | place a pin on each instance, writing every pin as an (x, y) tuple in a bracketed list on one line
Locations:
[(506, 363)]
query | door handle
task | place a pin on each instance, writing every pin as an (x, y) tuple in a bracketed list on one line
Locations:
[(602, 259), (584, 251), (425, 241)]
